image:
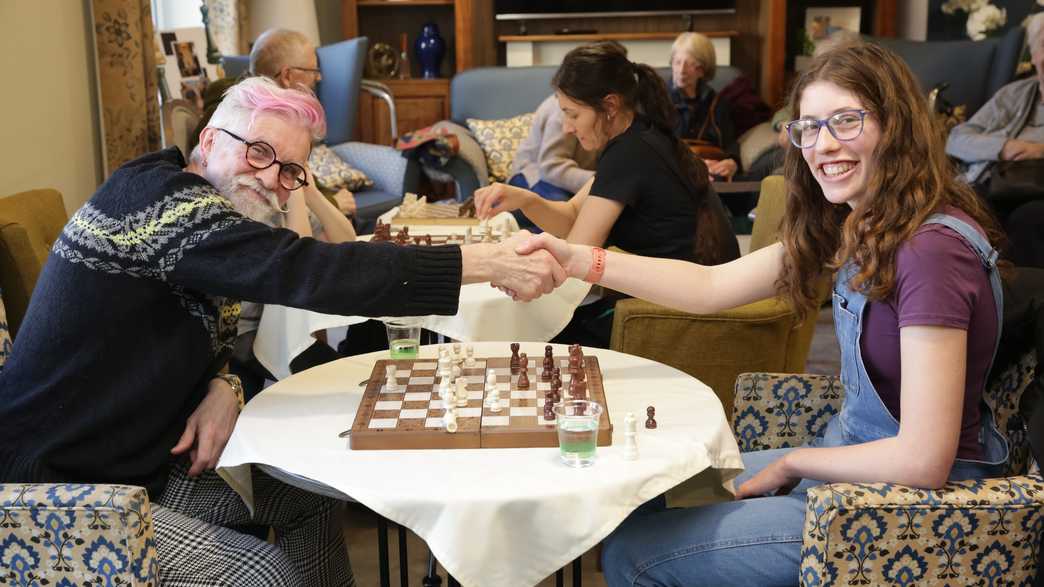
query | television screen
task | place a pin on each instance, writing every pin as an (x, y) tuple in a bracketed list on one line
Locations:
[(571, 7)]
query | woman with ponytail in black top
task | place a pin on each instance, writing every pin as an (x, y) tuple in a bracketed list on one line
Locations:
[(649, 196)]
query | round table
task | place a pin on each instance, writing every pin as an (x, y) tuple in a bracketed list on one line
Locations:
[(491, 516)]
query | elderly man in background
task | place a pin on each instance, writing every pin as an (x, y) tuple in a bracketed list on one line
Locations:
[(1010, 127), (115, 375)]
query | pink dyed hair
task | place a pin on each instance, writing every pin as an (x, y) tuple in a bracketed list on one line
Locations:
[(244, 101)]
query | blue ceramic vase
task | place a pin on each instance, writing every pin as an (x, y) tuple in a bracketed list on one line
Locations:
[(429, 49)]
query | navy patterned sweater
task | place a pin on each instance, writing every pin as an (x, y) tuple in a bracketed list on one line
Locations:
[(136, 310)]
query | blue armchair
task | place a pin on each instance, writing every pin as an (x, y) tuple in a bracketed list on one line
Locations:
[(341, 65)]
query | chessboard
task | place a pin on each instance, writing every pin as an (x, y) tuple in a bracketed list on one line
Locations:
[(410, 416), (383, 233)]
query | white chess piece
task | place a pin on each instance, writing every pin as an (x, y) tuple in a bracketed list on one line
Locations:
[(494, 399), (470, 352), (391, 383), (506, 228), (462, 392), (449, 418), (467, 236), (630, 449)]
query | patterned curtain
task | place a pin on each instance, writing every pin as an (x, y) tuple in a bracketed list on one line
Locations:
[(127, 78), (228, 26)]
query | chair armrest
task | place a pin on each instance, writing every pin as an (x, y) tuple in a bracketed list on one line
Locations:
[(384, 165), (885, 534), (755, 142), (783, 410), (383, 92), (754, 337), (77, 533)]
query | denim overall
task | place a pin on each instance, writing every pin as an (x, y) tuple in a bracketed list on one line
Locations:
[(863, 416), (758, 541)]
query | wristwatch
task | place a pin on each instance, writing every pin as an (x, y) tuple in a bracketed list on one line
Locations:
[(236, 385)]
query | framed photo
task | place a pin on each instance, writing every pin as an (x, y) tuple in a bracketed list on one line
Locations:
[(188, 63)]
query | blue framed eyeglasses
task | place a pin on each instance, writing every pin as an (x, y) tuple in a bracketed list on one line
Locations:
[(845, 126)]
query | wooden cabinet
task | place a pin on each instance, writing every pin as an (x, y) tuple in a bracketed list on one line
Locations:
[(418, 102)]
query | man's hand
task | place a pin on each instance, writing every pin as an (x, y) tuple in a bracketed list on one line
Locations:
[(345, 202), (526, 277), (1018, 150), (575, 259), (499, 197), (209, 427)]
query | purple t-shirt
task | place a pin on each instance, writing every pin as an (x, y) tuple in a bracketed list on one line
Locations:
[(940, 281)]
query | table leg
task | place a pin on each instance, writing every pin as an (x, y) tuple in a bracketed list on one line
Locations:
[(432, 579), (382, 550), (404, 574), (577, 577), (560, 578)]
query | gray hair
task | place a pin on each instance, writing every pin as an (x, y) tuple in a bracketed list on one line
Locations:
[(276, 49), (701, 49)]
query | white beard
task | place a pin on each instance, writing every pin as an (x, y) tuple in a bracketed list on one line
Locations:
[(237, 189)]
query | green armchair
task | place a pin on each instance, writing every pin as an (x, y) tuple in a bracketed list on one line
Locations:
[(66, 535), (985, 531), (716, 348)]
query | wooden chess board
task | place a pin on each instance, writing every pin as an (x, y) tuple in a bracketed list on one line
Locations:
[(410, 417), (446, 239)]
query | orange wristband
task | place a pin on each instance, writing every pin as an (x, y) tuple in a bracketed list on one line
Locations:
[(594, 274)]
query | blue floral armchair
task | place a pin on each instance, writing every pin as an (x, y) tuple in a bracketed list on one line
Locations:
[(66, 535), (985, 531)]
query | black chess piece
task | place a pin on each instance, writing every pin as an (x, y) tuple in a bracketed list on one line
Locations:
[(514, 358), (549, 411), (650, 421), (523, 371)]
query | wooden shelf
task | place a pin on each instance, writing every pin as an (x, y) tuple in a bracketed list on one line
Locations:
[(660, 36), (404, 2)]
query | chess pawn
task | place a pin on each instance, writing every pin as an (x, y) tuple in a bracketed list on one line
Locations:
[(650, 421), (457, 356), (470, 360), (427, 240), (467, 236), (630, 448), (549, 412), (449, 418), (444, 387), (493, 399), (462, 392), (392, 383), (523, 371)]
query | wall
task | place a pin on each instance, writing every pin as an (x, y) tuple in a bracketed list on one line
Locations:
[(50, 133)]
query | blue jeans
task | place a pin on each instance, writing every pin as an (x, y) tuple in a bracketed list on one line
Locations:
[(541, 188), (754, 541)]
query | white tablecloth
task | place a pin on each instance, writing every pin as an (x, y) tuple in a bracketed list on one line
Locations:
[(484, 314), (506, 517)]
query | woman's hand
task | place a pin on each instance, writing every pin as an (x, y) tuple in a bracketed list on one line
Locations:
[(499, 197), (773, 479), (724, 168), (575, 259)]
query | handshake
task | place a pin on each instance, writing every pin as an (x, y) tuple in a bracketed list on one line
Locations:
[(525, 266)]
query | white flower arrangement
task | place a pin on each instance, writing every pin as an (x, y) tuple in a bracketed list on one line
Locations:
[(987, 18)]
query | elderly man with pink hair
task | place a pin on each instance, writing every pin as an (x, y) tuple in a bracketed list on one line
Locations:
[(115, 374)]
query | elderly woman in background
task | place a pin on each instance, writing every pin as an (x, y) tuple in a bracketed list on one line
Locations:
[(702, 114)]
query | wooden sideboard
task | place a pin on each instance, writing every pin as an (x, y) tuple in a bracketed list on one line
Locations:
[(418, 103)]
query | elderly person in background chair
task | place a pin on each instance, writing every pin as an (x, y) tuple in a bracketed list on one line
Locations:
[(702, 114), (289, 58), (551, 162), (124, 376), (1010, 127)]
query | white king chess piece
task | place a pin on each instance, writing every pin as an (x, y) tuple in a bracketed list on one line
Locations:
[(449, 418), (391, 384), (630, 449)]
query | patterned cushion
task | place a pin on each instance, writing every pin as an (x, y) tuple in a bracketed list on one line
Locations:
[(66, 535), (5, 336), (778, 410), (1003, 397), (500, 140), (987, 530), (332, 173)]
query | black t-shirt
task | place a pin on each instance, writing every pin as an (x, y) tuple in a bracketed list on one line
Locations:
[(637, 168)]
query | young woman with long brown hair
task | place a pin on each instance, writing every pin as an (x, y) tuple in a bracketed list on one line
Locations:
[(649, 195), (873, 201)]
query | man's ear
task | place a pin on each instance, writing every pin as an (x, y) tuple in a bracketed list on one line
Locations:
[(283, 79), (206, 144)]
